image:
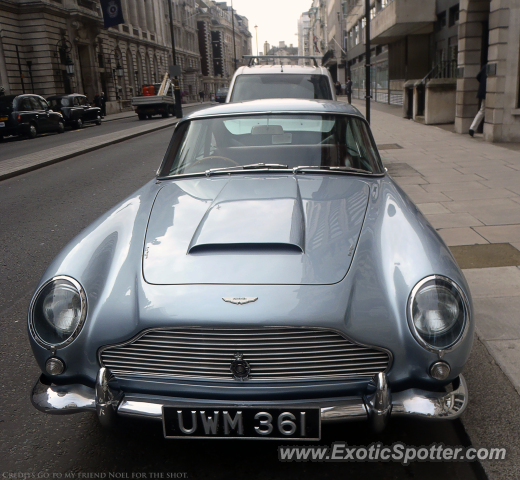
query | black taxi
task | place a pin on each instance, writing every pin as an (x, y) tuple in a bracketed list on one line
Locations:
[(76, 109), (28, 115)]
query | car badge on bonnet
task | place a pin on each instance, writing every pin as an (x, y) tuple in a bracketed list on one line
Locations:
[(240, 300)]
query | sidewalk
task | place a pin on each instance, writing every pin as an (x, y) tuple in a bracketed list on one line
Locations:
[(26, 163), (470, 192)]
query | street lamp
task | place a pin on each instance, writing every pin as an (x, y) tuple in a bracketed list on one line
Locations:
[(119, 70), (69, 66)]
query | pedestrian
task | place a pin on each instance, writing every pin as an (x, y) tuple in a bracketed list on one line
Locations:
[(338, 88), (97, 100), (481, 95), (2, 91), (103, 105), (348, 90), (201, 93)]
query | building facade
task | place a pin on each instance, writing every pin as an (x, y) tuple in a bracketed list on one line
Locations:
[(432, 43), (304, 25), (224, 38), (40, 40)]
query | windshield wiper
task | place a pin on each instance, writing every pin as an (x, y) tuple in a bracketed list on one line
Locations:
[(252, 166), (339, 169)]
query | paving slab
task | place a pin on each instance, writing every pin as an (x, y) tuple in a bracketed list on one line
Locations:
[(493, 282), (507, 355), (432, 208), (497, 318), (452, 220), (461, 236), (476, 206), (470, 186), (500, 234), (480, 194)]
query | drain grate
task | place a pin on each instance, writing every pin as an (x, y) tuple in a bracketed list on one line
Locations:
[(486, 256), (401, 170), (389, 146)]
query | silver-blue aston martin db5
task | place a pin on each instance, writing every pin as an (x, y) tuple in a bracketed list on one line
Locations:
[(270, 278)]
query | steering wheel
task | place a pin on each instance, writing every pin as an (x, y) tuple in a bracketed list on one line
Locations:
[(216, 157)]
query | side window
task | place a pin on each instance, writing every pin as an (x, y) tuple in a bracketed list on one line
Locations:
[(25, 105), (360, 149), (82, 100), (76, 101), (35, 103), (44, 104)]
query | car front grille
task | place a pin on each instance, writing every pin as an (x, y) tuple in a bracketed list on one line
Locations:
[(274, 353)]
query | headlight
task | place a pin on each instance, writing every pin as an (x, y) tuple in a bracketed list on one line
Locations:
[(438, 313), (57, 312)]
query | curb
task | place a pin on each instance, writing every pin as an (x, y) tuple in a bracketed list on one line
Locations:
[(59, 158)]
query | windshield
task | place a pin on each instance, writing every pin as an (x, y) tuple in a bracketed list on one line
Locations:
[(288, 140), (256, 87)]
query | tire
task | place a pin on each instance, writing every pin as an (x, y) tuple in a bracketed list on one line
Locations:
[(149, 116), (166, 114), (142, 116), (98, 121), (32, 132), (61, 127), (78, 123)]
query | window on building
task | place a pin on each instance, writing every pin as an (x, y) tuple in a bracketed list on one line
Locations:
[(454, 15), (441, 21), (372, 12)]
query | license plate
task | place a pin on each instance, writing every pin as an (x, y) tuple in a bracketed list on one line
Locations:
[(2, 124), (242, 423)]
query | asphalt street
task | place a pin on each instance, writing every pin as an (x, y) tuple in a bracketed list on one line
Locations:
[(13, 146), (39, 213)]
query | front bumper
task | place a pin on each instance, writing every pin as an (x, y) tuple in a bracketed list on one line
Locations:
[(376, 406)]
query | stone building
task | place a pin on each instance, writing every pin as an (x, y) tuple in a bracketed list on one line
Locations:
[(39, 39), (304, 47), (281, 50), (215, 23)]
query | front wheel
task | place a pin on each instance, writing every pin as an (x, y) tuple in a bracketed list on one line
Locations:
[(79, 123), (61, 127), (98, 121), (142, 116), (32, 132), (166, 114)]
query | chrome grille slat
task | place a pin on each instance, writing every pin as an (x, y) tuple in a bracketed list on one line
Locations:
[(274, 353)]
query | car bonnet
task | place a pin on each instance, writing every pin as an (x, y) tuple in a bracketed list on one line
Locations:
[(255, 229)]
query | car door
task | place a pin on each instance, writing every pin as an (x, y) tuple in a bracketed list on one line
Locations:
[(53, 118), (78, 110), (88, 113), (41, 116)]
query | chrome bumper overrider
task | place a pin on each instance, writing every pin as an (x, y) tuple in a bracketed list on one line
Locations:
[(376, 406)]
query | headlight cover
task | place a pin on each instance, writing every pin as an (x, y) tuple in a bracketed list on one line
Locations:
[(438, 313), (57, 312)]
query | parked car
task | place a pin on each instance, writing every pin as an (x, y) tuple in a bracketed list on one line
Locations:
[(28, 115), (270, 278), (275, 81), (221, 95), (76, 109)]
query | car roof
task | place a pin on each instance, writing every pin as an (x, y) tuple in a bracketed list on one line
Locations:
[(276, 105), (274, 69)]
